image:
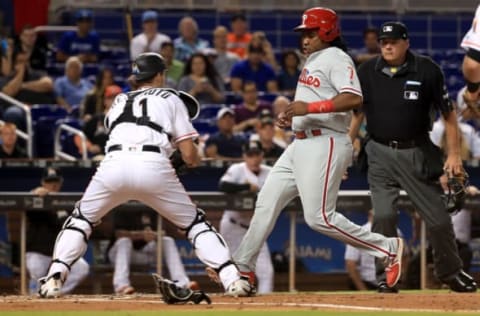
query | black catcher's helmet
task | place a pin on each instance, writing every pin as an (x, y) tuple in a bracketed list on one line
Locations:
[(147, 66)]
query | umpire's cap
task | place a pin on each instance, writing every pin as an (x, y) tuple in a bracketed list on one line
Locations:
[(51, 175), (147, 66)]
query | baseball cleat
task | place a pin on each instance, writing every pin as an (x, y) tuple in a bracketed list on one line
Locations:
[(394, 267), (125, 290), (50, 286), (252, 279), (239, 288)]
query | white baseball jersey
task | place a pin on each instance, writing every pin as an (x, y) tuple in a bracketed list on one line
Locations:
[(163, 108), (469, 134), (325, 74), (140, 44), (472, 38), (240, 174)]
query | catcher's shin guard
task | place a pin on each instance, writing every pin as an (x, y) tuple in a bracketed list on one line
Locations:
[(173, 294), (71, 242)]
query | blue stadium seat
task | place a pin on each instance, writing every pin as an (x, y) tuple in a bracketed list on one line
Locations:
[(50, 110), (205, 126), (233, 98), (66, 138), (209, 111), (267, 96)]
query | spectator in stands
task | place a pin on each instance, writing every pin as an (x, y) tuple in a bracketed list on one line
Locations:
[(247, 176), (134, 242), (246, 114), (259, 39), (287, 78), (201, 80), (93, 103), (9, 148), (150, 40), (282, 137), (34, 46), (94, 129), (71, 88), (225, 143), (253, 69), (6, 56), (239, 38), (175, 67), (224, 60), (188, 42), (471, 62), (265, 135), (469, 139), (42, 231), (371, 46), (468, 112), (25, 85), (83, 43)]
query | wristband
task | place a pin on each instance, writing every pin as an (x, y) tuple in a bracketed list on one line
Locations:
[(325, 106)]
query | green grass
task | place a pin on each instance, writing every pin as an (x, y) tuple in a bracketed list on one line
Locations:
[(230, 313)]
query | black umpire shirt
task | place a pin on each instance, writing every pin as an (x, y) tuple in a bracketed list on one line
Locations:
[(399, 102)]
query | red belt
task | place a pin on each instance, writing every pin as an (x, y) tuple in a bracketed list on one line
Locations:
[(304, 134)]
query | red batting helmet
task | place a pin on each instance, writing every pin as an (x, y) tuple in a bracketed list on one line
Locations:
[(323, 19)]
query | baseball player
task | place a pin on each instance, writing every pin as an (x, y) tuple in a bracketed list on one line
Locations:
[(247, 176), (313, 165), (42, 227), (145, 127), (471, 61)]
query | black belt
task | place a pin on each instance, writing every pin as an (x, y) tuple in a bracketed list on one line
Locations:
[(151, 148), (239, 224), (401, 144)]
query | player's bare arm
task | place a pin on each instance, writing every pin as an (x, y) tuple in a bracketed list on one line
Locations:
[(189, 152), (341, 103), (357, 119), (453, 164)]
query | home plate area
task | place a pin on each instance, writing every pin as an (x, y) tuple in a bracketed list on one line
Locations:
[(413, 301)]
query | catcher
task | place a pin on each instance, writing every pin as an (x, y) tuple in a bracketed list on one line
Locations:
[(145, 126)]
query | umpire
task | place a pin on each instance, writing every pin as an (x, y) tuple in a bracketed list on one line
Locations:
[(400, 92)]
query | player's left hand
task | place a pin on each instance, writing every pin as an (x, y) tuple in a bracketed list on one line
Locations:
[(453, 165), (283, 121), (296, 108)]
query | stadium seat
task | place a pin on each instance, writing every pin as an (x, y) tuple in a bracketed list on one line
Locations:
[(66, 138), (50, 110), (209, 111), (205, 126)]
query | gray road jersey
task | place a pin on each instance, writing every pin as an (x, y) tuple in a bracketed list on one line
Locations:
[(325, 74)]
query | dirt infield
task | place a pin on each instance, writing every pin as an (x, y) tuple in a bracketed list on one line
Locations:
[(417, 301)]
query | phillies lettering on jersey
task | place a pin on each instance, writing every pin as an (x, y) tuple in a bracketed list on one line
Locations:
[(326, 74), (308, 79)]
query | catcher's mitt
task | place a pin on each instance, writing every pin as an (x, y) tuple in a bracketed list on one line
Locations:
[(457, 192), (173, 294)]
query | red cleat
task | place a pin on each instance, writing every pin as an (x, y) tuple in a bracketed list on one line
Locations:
[(394, 267)]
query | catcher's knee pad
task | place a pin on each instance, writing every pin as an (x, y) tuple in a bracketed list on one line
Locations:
[(201, 226)]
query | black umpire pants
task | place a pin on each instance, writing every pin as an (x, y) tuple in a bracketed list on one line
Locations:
[(389, 171)]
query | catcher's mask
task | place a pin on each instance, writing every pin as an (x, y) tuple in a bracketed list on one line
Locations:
[(457, 192)]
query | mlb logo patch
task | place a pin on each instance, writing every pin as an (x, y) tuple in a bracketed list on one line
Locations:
[(388, 28), (410, 95)]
